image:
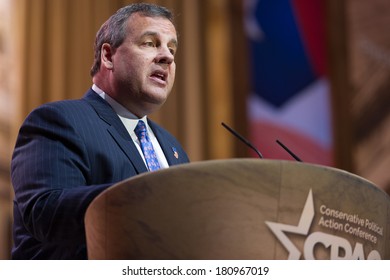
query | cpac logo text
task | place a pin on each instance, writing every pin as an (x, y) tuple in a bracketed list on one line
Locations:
[(339, 248)]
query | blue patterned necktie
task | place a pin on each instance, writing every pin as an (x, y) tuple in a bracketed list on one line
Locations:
[(146, 146)]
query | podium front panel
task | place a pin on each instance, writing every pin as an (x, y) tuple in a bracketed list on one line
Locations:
[(240, 209)]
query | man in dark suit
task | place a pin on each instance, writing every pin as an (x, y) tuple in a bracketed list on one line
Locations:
[(68, 152)]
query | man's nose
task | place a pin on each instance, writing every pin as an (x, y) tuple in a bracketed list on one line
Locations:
[(165, 56)]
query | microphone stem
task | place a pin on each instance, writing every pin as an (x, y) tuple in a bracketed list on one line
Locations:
[(242, 139), (288, 151)]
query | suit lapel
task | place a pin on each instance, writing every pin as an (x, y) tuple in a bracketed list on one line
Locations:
[(117, 130)]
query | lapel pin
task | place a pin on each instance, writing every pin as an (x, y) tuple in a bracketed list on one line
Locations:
[(175, 153)]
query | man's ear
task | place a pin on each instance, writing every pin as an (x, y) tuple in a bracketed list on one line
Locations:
[(106, 56)]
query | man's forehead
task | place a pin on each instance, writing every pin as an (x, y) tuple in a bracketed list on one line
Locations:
[(139, 22)]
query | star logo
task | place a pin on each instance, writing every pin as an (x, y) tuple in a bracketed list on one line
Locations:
[(302, 228)]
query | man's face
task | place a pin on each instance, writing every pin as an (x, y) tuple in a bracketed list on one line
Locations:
[(143, 70)]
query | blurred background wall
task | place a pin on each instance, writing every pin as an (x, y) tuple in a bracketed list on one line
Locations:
[(46, 53)]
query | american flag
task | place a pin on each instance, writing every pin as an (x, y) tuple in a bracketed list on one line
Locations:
[(290, 96)]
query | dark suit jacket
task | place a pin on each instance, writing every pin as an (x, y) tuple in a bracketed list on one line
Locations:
[(67, 152)]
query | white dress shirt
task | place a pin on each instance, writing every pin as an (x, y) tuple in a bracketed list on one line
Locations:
[(130, 121)]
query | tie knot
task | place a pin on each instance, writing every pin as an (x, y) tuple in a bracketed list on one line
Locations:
[(140, 129)]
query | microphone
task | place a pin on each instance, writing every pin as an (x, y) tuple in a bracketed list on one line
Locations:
[(249, 144), (288, 151)]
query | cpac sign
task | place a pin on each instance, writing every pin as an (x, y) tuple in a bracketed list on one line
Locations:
[(338, 247)]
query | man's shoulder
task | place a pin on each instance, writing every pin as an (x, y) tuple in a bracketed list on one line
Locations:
[(67, 105), (61, 110)]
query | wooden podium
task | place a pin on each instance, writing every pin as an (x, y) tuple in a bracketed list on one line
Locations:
[(240, 209)]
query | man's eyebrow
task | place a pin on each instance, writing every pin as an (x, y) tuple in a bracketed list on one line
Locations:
[(149, 33)]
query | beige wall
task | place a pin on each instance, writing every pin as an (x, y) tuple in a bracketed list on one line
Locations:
[(369, 77), (7, 115), (359, 48)]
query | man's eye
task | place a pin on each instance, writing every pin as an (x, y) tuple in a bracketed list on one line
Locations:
[(149, 44)]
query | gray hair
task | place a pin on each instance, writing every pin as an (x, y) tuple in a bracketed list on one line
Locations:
[(113, 31)]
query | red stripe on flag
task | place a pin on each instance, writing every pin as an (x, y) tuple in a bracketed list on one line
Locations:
[(264, 135)]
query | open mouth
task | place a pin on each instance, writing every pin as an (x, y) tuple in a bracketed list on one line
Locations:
[(159, 75)]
